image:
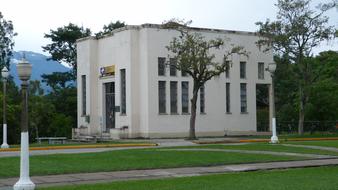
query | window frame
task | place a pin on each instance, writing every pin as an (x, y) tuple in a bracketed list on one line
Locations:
[(161, 67), (173, 97), (123, 92), (185, 97), (162, 101), (243, 98), (242, 70)]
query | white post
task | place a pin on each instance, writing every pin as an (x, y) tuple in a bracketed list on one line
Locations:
[(24, 182), (4, 74), (24, 71), (274, 138), (4, 144)]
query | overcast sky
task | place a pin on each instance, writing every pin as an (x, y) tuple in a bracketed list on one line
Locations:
[(33, 18)]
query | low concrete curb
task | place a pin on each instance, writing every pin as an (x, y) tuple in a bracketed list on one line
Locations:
[(86, 178)]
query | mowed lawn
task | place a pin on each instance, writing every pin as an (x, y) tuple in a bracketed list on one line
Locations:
[(45, 144), (331, 143), (128, 160), (268, 147), (324, 178)]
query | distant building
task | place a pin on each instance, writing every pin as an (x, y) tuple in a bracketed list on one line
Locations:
[(126, 89)]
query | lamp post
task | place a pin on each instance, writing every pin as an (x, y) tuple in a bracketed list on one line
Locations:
[(4, 74), (24, 70), (272, 68)]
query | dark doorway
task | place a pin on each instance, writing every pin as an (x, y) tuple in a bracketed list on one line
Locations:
[(262, 110), (110, 105)]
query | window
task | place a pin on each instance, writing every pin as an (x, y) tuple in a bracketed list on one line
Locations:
[(242, 70), (173, 97), (185, 97), (243, 98), (202, 99), (84, 101), (260, 70), (123, 91), (227, 97), (161, 97), (227, 70), (173, 64), (184, 74), (161, 66)]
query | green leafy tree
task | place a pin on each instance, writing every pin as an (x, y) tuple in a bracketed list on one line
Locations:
[(324, 91), (6, 41), (41, 113), (65, 102), (57, 80), (63, 45), (35, 88), (297, 30), (107, 29), (61, 126), (194, 57), (13, 100)]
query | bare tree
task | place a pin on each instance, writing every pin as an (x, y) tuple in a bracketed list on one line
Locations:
[(193, 56)]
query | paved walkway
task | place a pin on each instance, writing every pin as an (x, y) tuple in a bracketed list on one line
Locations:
[(86, 178)]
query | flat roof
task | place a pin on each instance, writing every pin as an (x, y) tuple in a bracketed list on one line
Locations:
[(160, 26)]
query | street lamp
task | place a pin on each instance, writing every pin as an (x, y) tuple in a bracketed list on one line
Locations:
[(4, 74), (24, 70), (272, 68)]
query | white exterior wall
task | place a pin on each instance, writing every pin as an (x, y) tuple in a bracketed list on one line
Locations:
[(215, 121), (137, 50)]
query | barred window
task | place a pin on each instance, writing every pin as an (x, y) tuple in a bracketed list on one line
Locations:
[(173, 69), (242, 66), (243, 98), (123, 91), (227, 70), (260, 70), (84, 97), (173, 97), (161, 66), (161, 97), (185, 97), (202, 99), (227, 97)]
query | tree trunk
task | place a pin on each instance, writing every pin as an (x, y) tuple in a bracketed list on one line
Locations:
[(301, 111), (192, 135)]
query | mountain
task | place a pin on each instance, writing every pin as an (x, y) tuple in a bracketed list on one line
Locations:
[(40, 66)]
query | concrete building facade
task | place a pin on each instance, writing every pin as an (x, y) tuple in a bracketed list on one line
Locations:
[(126, 89)]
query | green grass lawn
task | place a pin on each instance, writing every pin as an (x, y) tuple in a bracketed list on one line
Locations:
[(333, 143), (295, 135), (45, 143), (128, 160), (324, 178), (266, 147)]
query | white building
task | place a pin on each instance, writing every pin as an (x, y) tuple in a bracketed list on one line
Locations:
[(126, 91)]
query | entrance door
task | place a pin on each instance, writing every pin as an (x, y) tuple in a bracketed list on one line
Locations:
[(110, 105)]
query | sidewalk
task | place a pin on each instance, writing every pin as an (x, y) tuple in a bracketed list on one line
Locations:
[(86, 178)]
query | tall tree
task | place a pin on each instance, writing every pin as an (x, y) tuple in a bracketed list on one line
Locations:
[(107, 29), (63, 46), (6, 41), (57, 80), (193, 56), (297, 30)]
